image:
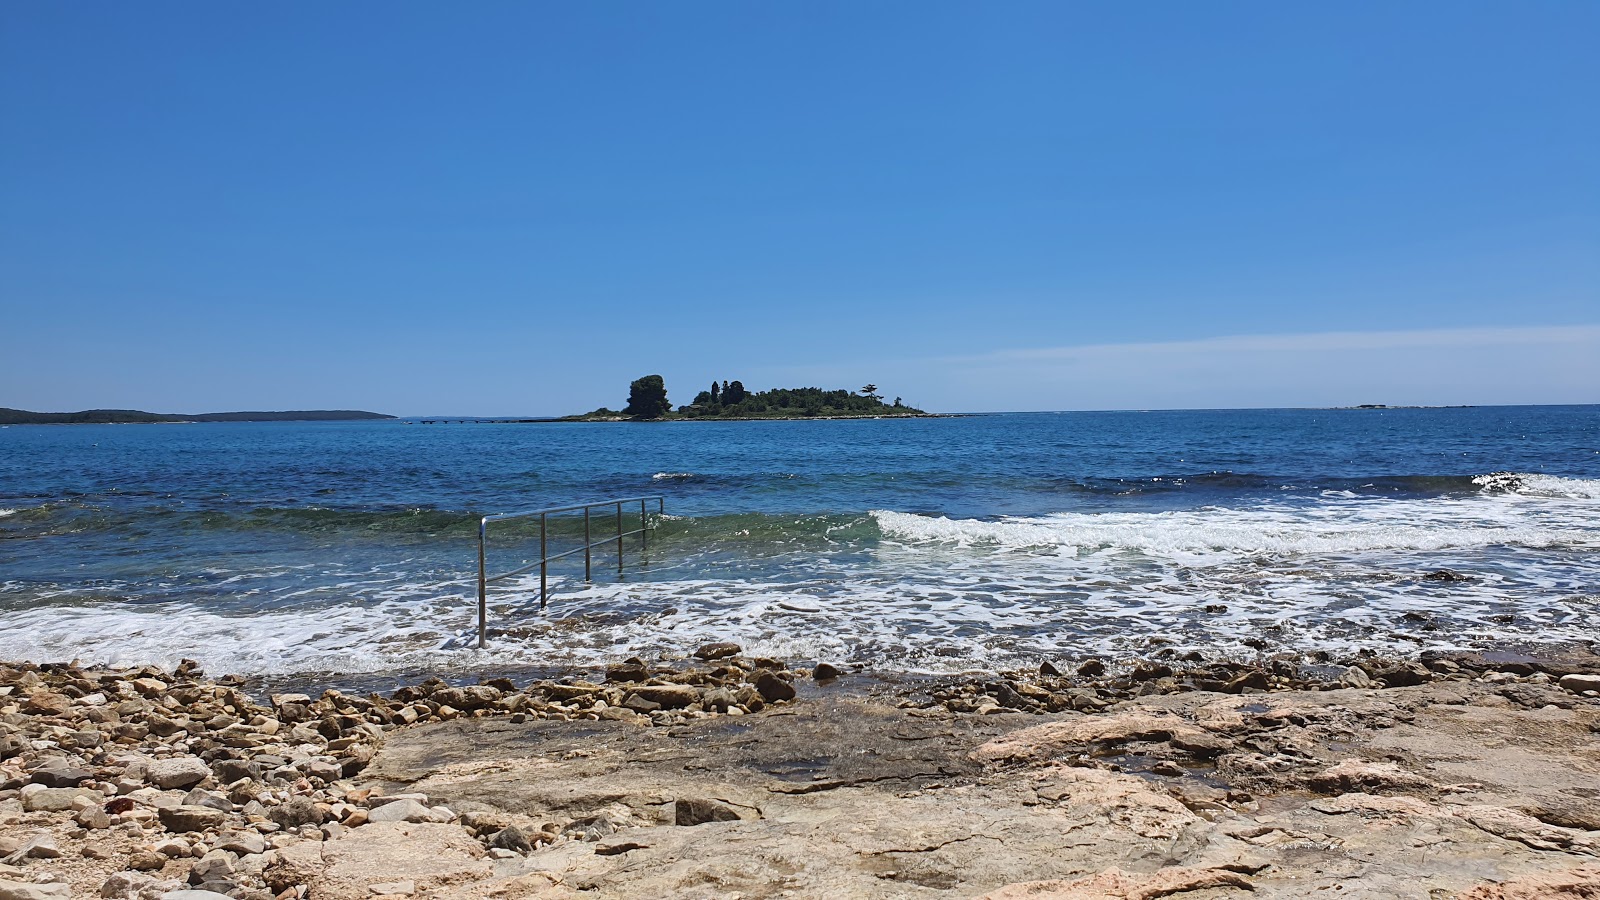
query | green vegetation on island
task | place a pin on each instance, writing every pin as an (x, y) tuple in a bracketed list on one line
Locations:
[(135, 416), (647, 401)]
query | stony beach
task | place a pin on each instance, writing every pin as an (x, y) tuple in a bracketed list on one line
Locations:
[(724, 776)]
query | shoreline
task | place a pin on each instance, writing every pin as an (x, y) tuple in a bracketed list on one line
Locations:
[(710, 776), (663, 420)]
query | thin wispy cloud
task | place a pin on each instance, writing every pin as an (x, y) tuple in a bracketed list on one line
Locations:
[(1443, 366), (1319, 342)]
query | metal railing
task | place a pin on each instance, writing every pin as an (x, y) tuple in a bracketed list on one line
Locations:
[(545, 558)]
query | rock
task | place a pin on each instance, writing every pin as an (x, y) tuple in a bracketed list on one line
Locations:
[(244, 843), (393, 888), (179, 773), (1041, 741), (1374, 806), (666, 696), (216, 865), (699, 812), (1357, 776), (194, 895), (202, 797), (1048, 669), (146, 861), (1355, 677), (1571, 884), (1407, 674), (1514, 826), (1150, 671), (618, 845), (231, 770), (43, 799), (717, 699), (469, 698), (40, 846), (406, 811), (439, 859), (123, 885), (1255, 679), (297, 812), (1131, 803), (94, 818), (1201, 744), (827, 672), (326, 769), (47, 703), (772, 688), (1092, 668), (589, 828), (58, 774), (511, 838), (1580, 683), (182, 819), (633, 670), (16, 890), (719, 650), (639, 704), (1114, 884)]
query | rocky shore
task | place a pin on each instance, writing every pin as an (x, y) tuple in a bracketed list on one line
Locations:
[(726, 776)]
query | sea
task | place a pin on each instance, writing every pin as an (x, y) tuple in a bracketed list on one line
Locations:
[(931, 545)]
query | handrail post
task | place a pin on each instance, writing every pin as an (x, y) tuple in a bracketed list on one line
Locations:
[(544, 548), (483, 583)]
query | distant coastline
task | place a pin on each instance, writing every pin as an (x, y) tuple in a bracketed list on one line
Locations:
[(140, 417)]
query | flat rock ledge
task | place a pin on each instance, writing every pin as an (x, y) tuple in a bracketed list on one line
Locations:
[(726, 776)]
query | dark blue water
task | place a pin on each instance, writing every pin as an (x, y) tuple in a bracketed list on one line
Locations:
[(933, 543)]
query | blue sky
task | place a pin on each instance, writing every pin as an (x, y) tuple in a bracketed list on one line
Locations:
[(500, 208)]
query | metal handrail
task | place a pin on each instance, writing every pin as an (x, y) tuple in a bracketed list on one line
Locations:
[(543, 564)]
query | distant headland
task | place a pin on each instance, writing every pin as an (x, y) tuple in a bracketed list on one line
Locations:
[(135, 416), (729, 401)]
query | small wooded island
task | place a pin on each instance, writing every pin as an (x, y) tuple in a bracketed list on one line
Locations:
[(140, 417), (647, 401)]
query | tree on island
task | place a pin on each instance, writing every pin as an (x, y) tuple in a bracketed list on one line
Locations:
[(734, 394), (715, 392), (647, 398)]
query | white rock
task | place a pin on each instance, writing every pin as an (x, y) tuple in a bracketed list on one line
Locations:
[(181, 772), (16, 890), (1580, 683), (406, 811), (1356, 677)]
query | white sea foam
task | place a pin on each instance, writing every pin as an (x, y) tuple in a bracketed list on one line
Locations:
[(7, 512), (672, 476), (1363, 526), (1553, 486), (933, 594)]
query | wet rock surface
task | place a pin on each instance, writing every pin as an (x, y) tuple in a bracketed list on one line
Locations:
[(728, 776)]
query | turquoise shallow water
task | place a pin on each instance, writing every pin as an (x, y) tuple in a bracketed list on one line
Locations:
[(933, 544)]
